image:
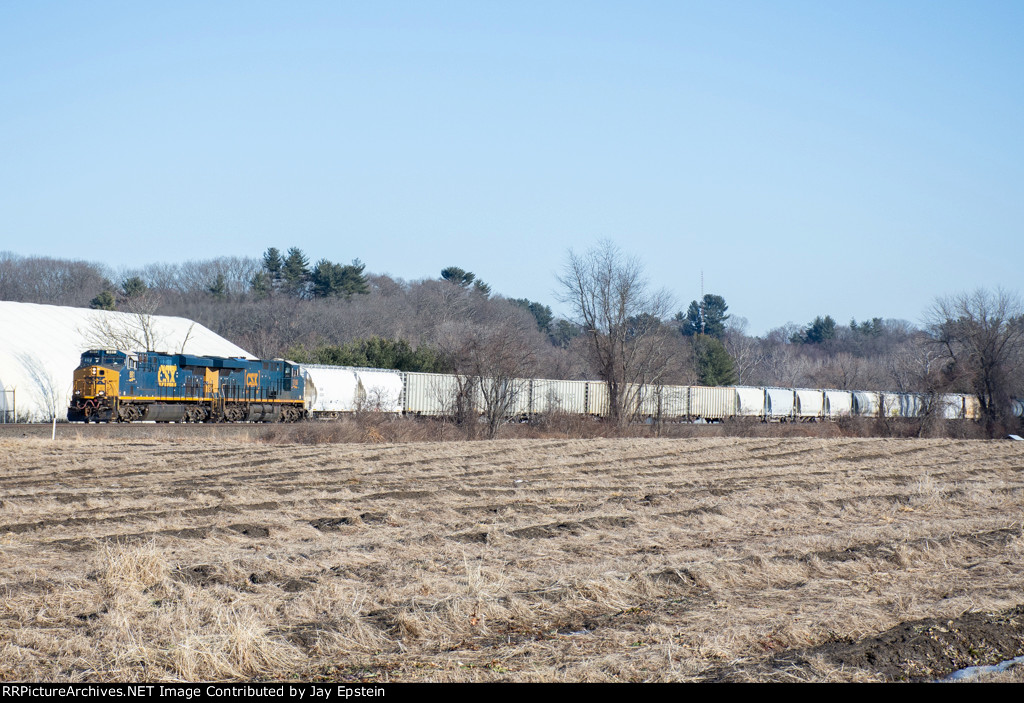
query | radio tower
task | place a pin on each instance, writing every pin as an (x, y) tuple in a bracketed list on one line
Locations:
[(702, 301)]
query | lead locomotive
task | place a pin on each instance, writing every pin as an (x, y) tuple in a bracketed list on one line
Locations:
[(117, 386)]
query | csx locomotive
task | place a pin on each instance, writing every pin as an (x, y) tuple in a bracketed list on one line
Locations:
[(117, 386)]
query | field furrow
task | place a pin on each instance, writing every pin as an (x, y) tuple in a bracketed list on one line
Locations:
[(545, 560)]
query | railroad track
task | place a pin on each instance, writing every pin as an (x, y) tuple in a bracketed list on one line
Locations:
[(78, 430)]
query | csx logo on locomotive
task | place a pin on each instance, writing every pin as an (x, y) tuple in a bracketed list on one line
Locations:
[(252, 380), (165, 376)]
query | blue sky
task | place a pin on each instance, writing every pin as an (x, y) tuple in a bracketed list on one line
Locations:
[(847, 158)]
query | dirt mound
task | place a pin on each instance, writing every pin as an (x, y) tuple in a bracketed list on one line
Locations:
[(923, 650)]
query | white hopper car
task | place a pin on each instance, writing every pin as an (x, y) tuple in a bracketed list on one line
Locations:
[(332, 391)]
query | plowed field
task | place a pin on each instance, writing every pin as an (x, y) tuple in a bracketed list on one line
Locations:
[(551, 560)]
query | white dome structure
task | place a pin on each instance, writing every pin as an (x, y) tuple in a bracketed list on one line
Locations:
[(41, 345)]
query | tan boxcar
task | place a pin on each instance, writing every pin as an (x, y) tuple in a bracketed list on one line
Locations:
[(550, 395), (712, 403), (665, 402), (597, 398), (972, 407), (429, 393), (514, 391)]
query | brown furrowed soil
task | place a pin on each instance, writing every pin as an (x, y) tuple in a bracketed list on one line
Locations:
[(724, 559)]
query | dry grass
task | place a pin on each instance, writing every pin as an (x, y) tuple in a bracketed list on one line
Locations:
[(527, 560), (377, 429)]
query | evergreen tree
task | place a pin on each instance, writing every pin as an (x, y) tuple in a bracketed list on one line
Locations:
[(273, 264), (819, 331), (295, 272), (326, 279), (219, 287), (707, 317), (563, 332), (689, 323), (541, 313), (377, 353), (104, 301), (462, 277), (458, 276), (874, 328), (639, 325), (353, 282), (261, 284), (713, 364), (335, 280), (481, 288), (133, 287)]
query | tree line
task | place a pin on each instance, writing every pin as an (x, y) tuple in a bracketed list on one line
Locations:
[(620, 329)]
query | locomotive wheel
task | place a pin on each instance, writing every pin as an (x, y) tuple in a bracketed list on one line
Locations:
[(235, 413), (129, 413), (196, 413)]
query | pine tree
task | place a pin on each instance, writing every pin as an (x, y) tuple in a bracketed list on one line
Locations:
[(705, 317), (295, 272), (219, 288), (819, 331), (352, 280), (335, 280), (541, 313), (713, 364), (104, 301), (133, 287), (458, 276), (481, 288), (273, 264), (325, 279), (261, 284)]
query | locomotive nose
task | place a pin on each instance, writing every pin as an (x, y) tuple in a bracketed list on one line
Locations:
[(95, 381)]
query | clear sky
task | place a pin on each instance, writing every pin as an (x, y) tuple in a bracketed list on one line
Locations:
[(850, 158)]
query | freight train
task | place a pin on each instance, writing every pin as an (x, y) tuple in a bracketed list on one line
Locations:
[(117, 386)]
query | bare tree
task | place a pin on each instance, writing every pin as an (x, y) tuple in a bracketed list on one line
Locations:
[(502, 359), (746, 352), (48, 394), (186, 338), (918, 366), (981, 335), (49, 281), (136, 329), (840, 370), (621, 318), (492, 362)]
